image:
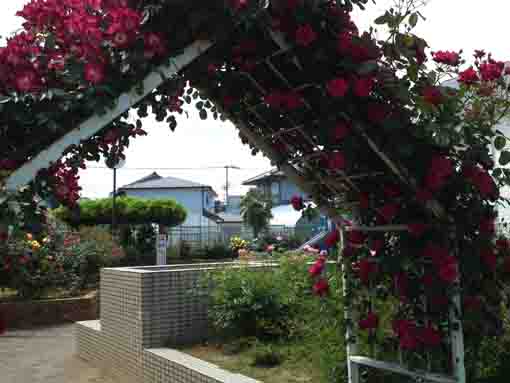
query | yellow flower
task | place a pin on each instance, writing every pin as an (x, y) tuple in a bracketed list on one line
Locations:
[(35, 245)]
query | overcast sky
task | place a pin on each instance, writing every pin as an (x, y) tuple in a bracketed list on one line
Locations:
[(450, 24)]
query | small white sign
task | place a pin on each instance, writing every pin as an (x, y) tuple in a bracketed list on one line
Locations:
[(162, 241)]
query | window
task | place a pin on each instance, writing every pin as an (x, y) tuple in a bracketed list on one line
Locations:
[(275, 192)]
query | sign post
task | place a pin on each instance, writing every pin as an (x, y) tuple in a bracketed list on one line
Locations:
[(161, 246)]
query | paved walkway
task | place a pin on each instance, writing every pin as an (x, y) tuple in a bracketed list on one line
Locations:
[(45, 355)]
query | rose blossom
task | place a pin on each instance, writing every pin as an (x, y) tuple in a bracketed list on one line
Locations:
[(429, 336), (370, 322), (317, 268), (363, 86), (336, 161), (321, 287), (388, 212), (332, 238), (341, 130), (469, 76), (297, 202), (305, 35), (446, 57), (94, 73), (337, 87)]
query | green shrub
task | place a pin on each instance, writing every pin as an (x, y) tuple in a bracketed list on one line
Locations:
[(129, 210), (218, 251), (247, 303)]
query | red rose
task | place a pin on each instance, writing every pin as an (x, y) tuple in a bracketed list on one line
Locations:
[(321, 287), (344, 43), (305, 35), (428, 280), (469, 76), (448, 272), (440, 170), (297, 202), (472, 303), (489, 258), (389, 212), (154, 45), (336, 161), (429, 336), (94, 73), (7, 164), (481, 179), (337, 87), (407, 333), (341, 130), (370, 322), (27, 81), (292, 100), (364, 201), (417, 229), (356, 238), (436, 253), (274, 99), (491, 71), (317, 268), (446, 57), (432, 95), (237, 5), (377, 113), (366, 269), (332, 238), (423, 195), (363, 86)]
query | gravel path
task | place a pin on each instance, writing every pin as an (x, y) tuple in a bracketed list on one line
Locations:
[(45, 355)]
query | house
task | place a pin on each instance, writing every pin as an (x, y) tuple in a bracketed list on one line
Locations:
[(276, 186), (196, 198)]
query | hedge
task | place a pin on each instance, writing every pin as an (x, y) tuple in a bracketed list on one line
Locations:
[(129, 210)]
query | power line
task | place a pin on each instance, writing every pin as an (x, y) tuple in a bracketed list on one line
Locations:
[(159, 168)]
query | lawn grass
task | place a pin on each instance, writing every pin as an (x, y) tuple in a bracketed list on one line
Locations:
[(296, 365)]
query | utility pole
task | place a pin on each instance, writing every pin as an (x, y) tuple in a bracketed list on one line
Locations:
[(226, 183)]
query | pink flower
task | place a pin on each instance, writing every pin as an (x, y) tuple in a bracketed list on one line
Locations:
[(94, 73), (337, 87), (305, 35), (491, 71), (446, 57), (321, 287), (153, 45), (370, 322), (363, 86), (469, 76)]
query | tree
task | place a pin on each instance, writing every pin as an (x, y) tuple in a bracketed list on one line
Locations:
[(256, 211)]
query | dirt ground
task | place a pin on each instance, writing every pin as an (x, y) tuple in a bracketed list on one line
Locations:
[(45, 355)]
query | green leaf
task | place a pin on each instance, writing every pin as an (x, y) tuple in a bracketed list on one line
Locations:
[(199, 105), (500, 142), (413, 20), (367, 67), (384, 19), (203, 114), (504, 158)]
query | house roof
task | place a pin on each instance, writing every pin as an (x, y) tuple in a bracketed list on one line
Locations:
[(274, 173), (231, 218), (155, 181)]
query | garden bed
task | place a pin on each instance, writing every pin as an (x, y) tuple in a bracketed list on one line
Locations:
[(296, 364), (50, 311)]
